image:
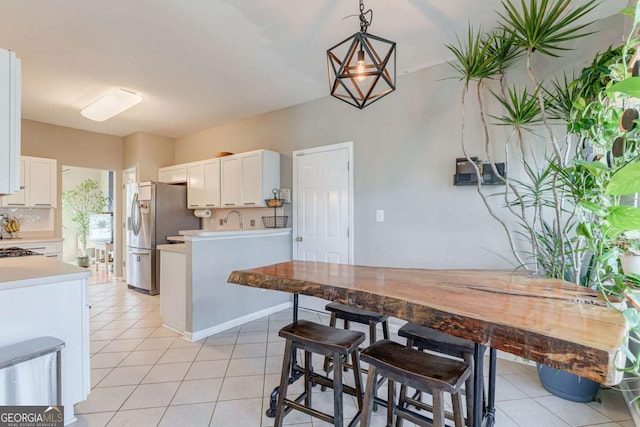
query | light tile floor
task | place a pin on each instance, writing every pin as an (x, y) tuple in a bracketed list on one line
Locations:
[(143, 374)]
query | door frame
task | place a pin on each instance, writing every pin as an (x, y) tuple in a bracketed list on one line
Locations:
[(294, 205), (123, 195)]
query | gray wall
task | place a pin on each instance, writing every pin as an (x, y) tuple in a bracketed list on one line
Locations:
[(405, 148)]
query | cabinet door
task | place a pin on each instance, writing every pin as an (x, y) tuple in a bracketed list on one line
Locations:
[(195, 185), (42, 183), (252, 180), (211, 195), (19, 198), (231, 181), (173, 174)]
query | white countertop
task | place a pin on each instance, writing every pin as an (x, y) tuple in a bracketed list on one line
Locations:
[(173, 247), (233, 234), (27, 271)]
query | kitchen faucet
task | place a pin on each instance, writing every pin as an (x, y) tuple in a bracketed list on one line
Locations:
[(239, 217)]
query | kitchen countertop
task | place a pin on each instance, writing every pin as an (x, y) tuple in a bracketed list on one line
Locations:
[(27, 271), (232, 234), (174, 247)]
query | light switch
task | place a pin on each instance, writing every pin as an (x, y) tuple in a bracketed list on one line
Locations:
[(379, 215)]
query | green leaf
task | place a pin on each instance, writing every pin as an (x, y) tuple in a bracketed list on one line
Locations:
[(628, 11), (629, 86), (625, 181), (593, 207), (624, 218), (636, 17), (595, 168), (580, 104), (584, 229)]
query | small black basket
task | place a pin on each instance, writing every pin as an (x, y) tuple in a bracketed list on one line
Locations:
[(275, 221)]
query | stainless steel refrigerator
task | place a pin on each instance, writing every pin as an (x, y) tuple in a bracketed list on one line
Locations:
[(154, 211)]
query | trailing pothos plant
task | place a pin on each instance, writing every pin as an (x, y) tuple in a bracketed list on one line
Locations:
[(565, 202)]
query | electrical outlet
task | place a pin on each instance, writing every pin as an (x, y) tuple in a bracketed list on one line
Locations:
[(379, 215), (221, 221), (285, 193), (252, 222)]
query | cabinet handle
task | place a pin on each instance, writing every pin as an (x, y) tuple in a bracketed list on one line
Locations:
[(210, 204), (43, 204), (229, 204), (35, 249), (16, 204), (193, 206), (249, 204)]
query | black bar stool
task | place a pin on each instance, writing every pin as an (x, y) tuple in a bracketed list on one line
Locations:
[(413, 368), (352, 314), (424, 338), (335, 343)]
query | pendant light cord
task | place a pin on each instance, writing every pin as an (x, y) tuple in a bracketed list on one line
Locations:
[(364, 24)]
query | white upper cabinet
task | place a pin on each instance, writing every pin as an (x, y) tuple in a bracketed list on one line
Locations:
[(195, 185), (10, 104), (211, 195), (173, 174), (203, 184), (38, 177), (42, 185), (249, 178), (231, 181)]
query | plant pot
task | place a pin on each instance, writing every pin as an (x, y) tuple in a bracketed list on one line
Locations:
[(83, 261), (566, 385), (630, 263)]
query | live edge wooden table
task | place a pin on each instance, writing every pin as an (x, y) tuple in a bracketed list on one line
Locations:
[(544, 320)]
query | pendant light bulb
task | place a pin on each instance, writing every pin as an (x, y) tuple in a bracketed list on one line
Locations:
[(360, 67)]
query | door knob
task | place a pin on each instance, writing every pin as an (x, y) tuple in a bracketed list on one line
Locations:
[(299, 239)]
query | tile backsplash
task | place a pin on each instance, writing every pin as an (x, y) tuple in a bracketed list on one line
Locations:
[(31, 220), (248, 214)]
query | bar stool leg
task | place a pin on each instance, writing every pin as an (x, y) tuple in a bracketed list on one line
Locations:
[(385, 330), (438, 409), (325, 366), (468, 390), (391, 391), (307, 378), (338, 414), (372, 332), (357, 375), (284, 382), (370, 392), (457, 410)]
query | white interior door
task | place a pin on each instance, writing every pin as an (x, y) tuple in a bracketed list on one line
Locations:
[(323, 208)]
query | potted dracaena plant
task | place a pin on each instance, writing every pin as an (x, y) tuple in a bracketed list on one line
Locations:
[(562, 203), (78, 204)]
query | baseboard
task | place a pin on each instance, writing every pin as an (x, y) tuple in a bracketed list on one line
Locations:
[(204, 333)]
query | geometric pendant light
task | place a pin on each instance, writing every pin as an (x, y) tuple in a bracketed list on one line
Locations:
[(362, 68)]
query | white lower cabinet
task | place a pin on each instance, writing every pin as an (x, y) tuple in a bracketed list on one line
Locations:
[(173, 292)]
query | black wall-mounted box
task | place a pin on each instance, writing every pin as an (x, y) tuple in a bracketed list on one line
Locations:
[(486, 171)]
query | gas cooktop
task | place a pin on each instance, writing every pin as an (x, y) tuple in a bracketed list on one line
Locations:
[(15, 251)]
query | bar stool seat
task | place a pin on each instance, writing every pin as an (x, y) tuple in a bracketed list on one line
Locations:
[(331, 342), (349, 314), (414, 368), (424, 338)]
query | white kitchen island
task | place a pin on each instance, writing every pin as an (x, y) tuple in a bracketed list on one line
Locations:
[(195, 298), (40, 296)]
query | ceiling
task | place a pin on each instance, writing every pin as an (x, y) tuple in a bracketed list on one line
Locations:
[(201, 63)]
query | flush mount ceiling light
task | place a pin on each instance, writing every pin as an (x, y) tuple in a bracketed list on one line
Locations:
[(111, 104), (362, 68)]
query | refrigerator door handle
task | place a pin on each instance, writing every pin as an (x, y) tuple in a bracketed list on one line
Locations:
[(138, 253), (135, 215)]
